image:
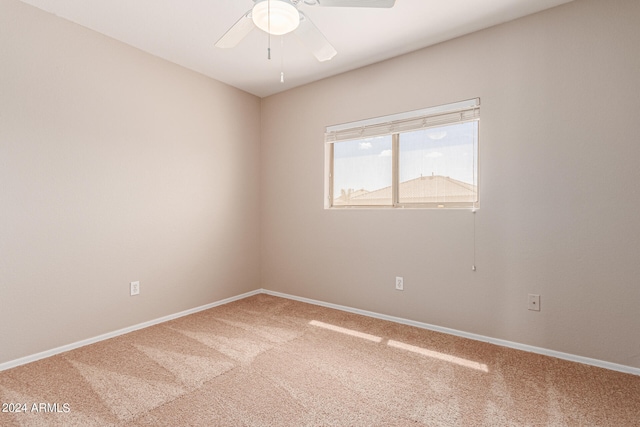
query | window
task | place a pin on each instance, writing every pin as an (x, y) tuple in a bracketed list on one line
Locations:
[(426, 159)]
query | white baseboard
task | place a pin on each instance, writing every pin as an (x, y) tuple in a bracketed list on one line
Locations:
[(72, 346), (476, 337)]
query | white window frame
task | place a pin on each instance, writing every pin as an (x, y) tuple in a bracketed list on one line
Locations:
[(396, 124)]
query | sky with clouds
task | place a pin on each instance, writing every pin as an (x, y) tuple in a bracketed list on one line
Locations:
[(447, 151)]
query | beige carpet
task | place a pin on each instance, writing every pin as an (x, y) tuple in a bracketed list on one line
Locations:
[(267, 361)]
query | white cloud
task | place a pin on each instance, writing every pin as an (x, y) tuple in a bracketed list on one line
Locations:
[(438, 135), (364, 145), (385, 153), (433, 155)]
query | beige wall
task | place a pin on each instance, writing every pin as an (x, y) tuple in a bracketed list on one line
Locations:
[(559, 173), (115, 166)]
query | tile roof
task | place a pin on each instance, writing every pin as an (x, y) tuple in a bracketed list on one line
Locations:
[(424, 189)]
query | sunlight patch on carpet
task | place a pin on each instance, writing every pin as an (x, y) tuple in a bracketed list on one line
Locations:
[(440, 356), (345, 331)]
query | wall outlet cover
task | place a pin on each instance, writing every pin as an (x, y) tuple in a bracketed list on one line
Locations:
[(533, 302), (135, 288)]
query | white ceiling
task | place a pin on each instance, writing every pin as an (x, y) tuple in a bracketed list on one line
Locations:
[(184, 32)]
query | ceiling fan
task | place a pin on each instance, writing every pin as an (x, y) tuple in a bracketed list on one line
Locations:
[(280, 17)]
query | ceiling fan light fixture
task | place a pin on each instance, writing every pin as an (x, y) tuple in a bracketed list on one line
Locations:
[(284, 16)]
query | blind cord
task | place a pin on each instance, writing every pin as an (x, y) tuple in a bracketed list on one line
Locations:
[(473, 211)]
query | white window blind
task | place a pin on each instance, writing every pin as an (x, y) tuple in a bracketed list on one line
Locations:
[(457, 112)]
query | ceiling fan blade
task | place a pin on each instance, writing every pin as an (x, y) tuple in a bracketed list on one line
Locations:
[(311, 37), (356, 3), (235, 34)]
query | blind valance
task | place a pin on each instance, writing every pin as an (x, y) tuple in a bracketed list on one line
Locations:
[(457, 112)]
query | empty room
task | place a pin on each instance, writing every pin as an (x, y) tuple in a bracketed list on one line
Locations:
[(319, 213)]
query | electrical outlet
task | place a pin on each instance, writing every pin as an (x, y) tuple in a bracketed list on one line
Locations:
[(399, 283), (135, 288), (533, 302)]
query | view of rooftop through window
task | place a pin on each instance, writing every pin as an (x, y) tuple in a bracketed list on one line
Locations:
[(361, 167), (435, 165)]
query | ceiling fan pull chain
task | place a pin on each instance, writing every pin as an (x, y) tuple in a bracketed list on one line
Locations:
[(269, 29), (281, 59)]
